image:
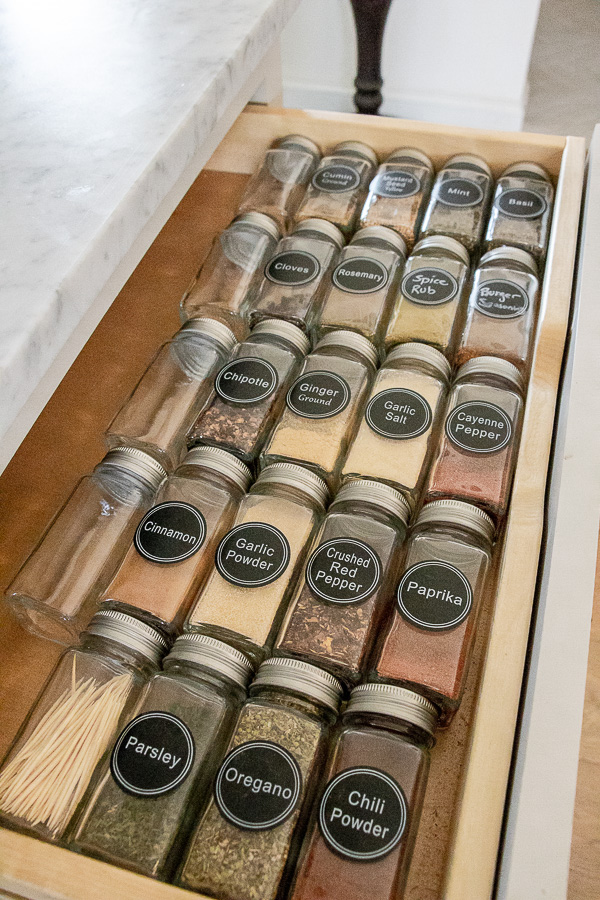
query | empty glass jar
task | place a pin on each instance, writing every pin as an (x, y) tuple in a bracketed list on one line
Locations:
[(522, 210), (459, 200)]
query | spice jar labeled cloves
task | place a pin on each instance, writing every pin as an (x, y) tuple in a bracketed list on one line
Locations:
[(258, 560), (522, 210), (144, 803), (246, 841), (459, 200)]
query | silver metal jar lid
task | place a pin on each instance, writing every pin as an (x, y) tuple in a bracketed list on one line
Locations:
[(214, 329), (129, 631), (381, 233), (377, 493), (207, 651), (323, 227), (259, 220), (286, 331), (410, 154), (422, 352), (398, 702), (442, 242), (458, 512), (491, 365), (219, 461), (138, 462), (468, 160), (355, 148), (297, 477), (351, 339), (302, 677), (526, 168), (298, 142), (512, 254)]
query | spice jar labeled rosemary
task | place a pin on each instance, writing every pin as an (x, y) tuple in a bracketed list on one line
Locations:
[(250, 389), (522, 210), (476, 457), (324, 405), (340, 602), (246, 841), (429, 640), (74, 721), (459, 200), (148, 792), (362, 832), (258, 560)]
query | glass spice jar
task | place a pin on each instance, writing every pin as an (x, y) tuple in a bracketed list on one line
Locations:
[(246, 841), (73, 722), (400, 427), (363, 828), (340, 601), (459, 200), (324, 405), (258, 560), (173, 390), (175, 542), (428, 642), (58, 587), (476, 457), (144, 803), (502, 309), (522, 210), (429, 305), (250, 389)]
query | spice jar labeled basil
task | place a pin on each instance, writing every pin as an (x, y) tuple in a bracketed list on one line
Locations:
[(340, 602), (250, 389), (522, 210), (475, 460), (399, 430), (324, 405), (428, 642), (362, 832), (459, 200), (173, 390), (258, 560), (58, 587), (148, 792), (246, 841)]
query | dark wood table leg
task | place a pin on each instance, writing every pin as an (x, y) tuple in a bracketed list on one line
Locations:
[(370, 17)]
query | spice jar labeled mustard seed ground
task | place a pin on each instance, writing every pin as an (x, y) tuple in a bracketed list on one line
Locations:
[(428, 643), (341, 600), (324, 405), (476, 457), (459, 200), (522, 210), (246, 841)]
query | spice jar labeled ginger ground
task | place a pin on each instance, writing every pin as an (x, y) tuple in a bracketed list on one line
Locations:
[(522, 210), (459, 200)]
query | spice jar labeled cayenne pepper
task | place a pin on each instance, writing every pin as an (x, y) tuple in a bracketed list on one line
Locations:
[(522, 210), (459, 200)]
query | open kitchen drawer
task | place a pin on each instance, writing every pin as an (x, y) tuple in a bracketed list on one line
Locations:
[(456, 851)]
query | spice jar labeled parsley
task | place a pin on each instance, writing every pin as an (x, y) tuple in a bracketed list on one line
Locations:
[(522, 210), (148, 792), (245, 844), (339, 603), (250, 389), (459, 200)]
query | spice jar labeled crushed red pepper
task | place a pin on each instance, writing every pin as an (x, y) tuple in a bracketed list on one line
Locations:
[(246, 841), (459, 200), (522, 210)]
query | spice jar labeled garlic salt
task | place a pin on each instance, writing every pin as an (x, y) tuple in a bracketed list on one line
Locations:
[(522, 210), (459, 200), (476, 457), (245, 843), (324, 405), (258, 560)]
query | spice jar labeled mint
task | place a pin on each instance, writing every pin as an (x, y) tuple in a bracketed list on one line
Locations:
[(459, 200), (522, 210), (246, 841)]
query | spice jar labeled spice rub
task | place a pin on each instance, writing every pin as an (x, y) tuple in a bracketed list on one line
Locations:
[(522, 210), (476, 458), (257, 562), (400, 426), (459, 200), (362, 832), (429, 640), (250, 389), (148, 792), (339, 603), (324, 405)]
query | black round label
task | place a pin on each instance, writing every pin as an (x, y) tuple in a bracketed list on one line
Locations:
[(520, 203), (360, 275), (480, 427), (336, 178), (429, 286), (460, 192), (253, 555), (292, 267), (318, 395), (501, 299), (396, 184), (258, 786), (343, 571), (399, 414), (152, 755), (246, 380), (170, 532), (435, 596), (363, 814)]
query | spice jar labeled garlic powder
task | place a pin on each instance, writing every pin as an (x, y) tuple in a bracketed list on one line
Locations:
[(522, 210), (459, 200), (258, 560), (340, 601)]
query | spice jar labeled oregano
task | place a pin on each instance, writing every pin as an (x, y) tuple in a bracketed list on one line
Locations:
[(459, 200), (522, 210)]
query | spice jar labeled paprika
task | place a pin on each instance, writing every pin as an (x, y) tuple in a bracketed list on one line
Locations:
[(459, 200), (522, 210)]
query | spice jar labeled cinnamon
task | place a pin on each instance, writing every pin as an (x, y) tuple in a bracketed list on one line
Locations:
[(459, 200), (522, 210)]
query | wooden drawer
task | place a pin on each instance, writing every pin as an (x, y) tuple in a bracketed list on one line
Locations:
[(457, 846)]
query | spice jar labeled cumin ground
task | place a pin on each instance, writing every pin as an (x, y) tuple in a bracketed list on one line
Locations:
[(245, 844), (459, 201), (522, 210)]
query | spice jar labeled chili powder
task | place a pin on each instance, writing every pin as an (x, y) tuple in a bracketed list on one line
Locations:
[(459, 200), (148, 792), (428, 643), (362, 832), (522, 210), (339, 603), (476, 458), (250, 389), (258, 560), (246, 841)]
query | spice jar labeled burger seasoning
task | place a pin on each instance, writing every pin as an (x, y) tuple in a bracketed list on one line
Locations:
[(159, 772), (339, 603), (429, 640), (476, 457), (258, 560), (250, 389), (324, 405), (362, 832), (459, 200), (522, 210)]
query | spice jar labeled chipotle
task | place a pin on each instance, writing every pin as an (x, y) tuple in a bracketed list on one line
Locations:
[(459, 200), (522, 210)]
